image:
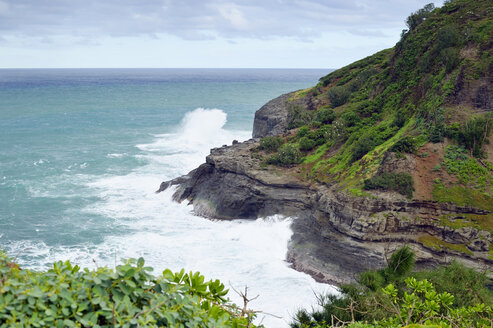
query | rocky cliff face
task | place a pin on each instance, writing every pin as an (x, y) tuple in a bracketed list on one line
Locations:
[(335, 235), (413, 120), (271, 119)]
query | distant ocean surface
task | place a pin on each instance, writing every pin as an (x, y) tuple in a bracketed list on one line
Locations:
[(83, 150)]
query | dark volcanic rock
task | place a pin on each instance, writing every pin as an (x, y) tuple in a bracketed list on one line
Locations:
[(272, 118)]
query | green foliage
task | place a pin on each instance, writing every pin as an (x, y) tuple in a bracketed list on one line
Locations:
[(363, 145), (450, 58), (426, 79), (350, 118), (400, 182), (288, 155), (271, 143), (448, 36), (474, 135), (303, 131), (466, 284), (325, 115), (369, 139), (468, 170), (306, 143), (424, 305), (298, 116), (462, 196), (434, 124), (449, 295), (129, 296), (408, 144), (419, 16), (338, 95), (400, 264), (373, 280)]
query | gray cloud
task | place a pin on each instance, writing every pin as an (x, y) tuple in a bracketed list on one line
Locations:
[(201, 19)]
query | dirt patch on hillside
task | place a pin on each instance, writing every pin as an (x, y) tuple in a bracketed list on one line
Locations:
[(429, 168)]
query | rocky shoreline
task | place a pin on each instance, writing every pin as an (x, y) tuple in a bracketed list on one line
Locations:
[(335, 235)]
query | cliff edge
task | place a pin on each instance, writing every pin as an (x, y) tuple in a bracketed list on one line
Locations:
[(393, 149)]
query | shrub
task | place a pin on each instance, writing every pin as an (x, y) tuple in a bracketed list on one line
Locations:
[(271, 143), (407, 144), (320, 135), (350, 118), (450, 58), (448, 36), (129, 296), (400, 182), (474, 134), (298, 116), (288, 155), (400, 264), (434, 124), (466, 284), (424, 305), (389, 296), (419, 16), (401, 116), (362, 147), (303, 131), (325, 115), (306, 143), (338, 95)]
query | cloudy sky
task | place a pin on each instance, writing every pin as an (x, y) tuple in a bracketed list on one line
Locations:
[(198, 33)]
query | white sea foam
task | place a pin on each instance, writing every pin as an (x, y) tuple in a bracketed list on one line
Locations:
[(240, 253), (115, 155)]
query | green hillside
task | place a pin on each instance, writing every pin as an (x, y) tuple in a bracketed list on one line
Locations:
[(414, 119)]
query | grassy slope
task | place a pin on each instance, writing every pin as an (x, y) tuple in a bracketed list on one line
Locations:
[(409, 100), (418, 89)]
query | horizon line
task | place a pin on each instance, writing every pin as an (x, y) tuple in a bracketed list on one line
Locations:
[(306, 68)]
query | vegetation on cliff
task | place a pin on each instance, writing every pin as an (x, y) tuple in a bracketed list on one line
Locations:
[(434, 86), (129, 296), (413, 121), (450, 296)]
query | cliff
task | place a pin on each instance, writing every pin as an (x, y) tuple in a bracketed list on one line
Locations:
[(393, 149)]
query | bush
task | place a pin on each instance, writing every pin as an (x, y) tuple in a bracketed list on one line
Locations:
[(466, 284), (474, 134), (450, 58), (407, 144), (419, 16), (362, 147), (271, 143), (129, 296), (400, 182), (448, 36), (325, 115), (298, 116), (303, 131), (338, 95), (401, 116), (288, 155), (306, 143), (320, 135), (350, 118), (389, 296)]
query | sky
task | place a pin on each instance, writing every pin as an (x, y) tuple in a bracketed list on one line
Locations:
[(198, 33)]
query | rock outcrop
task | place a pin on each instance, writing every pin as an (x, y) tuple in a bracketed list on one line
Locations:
[(272, 118), (411, 120), (335, 235)]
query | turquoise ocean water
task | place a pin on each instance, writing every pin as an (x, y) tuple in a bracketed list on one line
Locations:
[(82, 152)]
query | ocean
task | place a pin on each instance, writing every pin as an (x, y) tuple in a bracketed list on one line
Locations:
[(82, 152)]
